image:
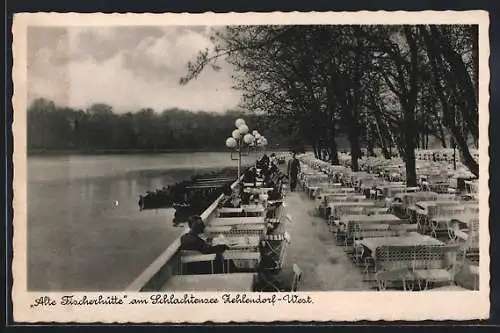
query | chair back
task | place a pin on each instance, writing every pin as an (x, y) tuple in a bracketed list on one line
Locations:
[(297, 278), (188, 257), (244, 260)]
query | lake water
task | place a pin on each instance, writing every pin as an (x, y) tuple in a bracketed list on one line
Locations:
[(85, 230)]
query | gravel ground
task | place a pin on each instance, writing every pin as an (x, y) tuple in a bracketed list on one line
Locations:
[(325, 265)]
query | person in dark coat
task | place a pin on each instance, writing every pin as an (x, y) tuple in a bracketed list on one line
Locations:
[(191, 241), (250, 176), (293, 171), (264, 163)]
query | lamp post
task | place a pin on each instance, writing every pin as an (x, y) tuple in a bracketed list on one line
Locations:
[(240, 138), (454, 155), (259, 144)]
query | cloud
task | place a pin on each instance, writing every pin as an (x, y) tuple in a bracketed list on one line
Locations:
[(126, 67)]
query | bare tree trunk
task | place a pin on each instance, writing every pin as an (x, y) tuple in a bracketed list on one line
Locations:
[(409, 103), (315, 149), (381, 137), (369, 148), (334, 154), (355, 147)]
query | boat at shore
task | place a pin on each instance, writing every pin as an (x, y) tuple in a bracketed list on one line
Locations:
[(189, 197), (371, 220)]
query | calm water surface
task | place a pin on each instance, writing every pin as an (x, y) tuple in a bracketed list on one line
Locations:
[(85, 231)]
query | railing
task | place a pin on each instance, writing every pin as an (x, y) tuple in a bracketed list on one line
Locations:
[(156, 274)]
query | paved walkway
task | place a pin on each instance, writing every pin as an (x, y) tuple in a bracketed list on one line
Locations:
[(325, 265)]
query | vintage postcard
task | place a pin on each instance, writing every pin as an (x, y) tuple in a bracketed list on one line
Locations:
[(252, 167)]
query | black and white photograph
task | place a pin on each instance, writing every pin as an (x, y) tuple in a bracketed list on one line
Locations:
[(269, 160)]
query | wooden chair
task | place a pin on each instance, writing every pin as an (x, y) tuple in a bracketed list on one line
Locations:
[(474, 269), (243, 260), (193, 258), (456, 229), (435, 264), (274, 248), (401, 229), (277, 214), (297, 278), (471, 238), (392, 266)]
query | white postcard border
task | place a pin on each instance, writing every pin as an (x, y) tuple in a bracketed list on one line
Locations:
[(326, 306)]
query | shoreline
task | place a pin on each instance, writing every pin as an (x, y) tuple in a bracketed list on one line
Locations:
[(41, 152)]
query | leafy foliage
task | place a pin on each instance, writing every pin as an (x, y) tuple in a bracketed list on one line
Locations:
[(384, 85)]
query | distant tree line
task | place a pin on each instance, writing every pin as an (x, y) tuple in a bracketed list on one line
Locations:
[(99, 128)]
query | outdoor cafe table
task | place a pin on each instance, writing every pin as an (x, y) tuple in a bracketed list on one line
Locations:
[(229, 211), (334, 195), (211, 282), (253, 185), (423, 195), (229, 221), (338, 189), (425, 205), (239, 242), (237, 229), (253, 208), (391, 191), (325, 186), (345, 198), (260, 190), (337, 207), (334, 205), (410, 239), (460, 218), (379, 219), (342, 191)]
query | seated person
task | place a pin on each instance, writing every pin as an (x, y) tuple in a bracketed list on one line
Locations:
[(246, 198), (268, 182), (274, 194), (264, 162), (273, 159), (273, 169), (250, 176), (192, 241), (232, 199)]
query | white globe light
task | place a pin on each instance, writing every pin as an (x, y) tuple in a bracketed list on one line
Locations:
[(231, 143), (236, 134), (243, 129), (248, 138), (239, 122)]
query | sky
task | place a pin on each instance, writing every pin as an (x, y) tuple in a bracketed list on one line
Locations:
[(128, 68)]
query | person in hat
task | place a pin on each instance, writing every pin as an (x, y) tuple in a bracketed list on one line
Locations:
[(293, 171)]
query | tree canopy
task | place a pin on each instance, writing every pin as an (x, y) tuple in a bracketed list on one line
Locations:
[(386, 86)]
